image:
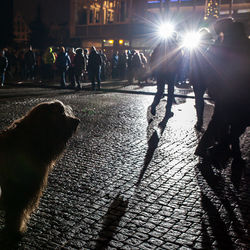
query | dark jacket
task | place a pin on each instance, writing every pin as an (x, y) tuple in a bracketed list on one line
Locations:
[(30, 58), (94, 62), (63, 61), (79, 62), (166, 58)]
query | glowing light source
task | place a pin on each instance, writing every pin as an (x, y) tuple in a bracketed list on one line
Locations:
[(111, 41), (121, 42), (165, 30), (191, 40)]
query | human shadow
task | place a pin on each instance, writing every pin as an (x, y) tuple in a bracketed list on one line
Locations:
[(210, 179), (153, 142), (111, 221)]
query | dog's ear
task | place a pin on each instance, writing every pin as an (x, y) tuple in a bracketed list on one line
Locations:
[(57, 106)]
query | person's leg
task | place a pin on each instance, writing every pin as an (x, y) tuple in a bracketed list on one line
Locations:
[(170, 98), (2, 78), (211, 134), (77, 77), (92, 79), (63, 75), (98, 78), (199, 92)]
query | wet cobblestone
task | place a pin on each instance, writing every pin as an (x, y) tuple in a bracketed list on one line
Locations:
[(114, 190)]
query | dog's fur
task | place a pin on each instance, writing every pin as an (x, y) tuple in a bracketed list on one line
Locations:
[(29, 148)]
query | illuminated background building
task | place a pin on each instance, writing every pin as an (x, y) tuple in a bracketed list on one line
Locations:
[(119, 24)]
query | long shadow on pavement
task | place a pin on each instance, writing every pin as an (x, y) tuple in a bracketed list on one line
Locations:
[(210, 179), (152, 145), (111, 221)]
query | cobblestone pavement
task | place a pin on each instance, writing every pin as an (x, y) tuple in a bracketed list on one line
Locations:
[(124, 183)]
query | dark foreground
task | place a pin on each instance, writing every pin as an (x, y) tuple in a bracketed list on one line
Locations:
[(125, 183)]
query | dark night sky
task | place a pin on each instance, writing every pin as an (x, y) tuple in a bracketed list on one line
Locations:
[(52, 11)]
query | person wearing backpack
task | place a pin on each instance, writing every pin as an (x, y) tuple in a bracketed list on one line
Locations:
[(94, 68)]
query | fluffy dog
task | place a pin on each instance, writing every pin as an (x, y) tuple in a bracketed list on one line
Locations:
[(29, 148)]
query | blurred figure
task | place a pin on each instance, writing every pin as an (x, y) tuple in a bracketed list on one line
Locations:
[(165, 62), (136, 65), (198, 64), (85, 68), (122, 65), (49, 60), (3, 67), (230, 58), (130, 67), (115, 59), (30, 62), (143, 74), (94, 68), (104, 65), (71, 70), (62, 63), (79, 64)]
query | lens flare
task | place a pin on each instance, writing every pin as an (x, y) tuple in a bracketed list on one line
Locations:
[(191, 40), (165, 30)]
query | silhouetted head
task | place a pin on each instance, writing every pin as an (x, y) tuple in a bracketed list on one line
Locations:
[(79, 51), (62, 49), (93, 49), (238, 29), (223, 25)]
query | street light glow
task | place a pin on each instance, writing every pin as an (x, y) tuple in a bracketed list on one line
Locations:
[(191, 40), (165, 30)]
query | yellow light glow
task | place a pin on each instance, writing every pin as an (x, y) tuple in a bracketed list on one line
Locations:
[(111, 41), (121, 41)]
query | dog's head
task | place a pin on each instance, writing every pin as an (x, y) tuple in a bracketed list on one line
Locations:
[(53, 121)]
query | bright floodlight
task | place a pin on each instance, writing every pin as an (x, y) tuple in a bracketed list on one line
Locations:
[(191, 40), (165, 30)]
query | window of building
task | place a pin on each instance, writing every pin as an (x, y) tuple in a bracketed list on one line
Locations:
[(123, 11), (97, 16), (110, 17), (91, 16), (82, 17)]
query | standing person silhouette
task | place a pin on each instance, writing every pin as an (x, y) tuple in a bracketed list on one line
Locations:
[(165, 62), (198, 77), (94, 68)]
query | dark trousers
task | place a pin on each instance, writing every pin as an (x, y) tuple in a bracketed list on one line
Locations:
[(30, 71), (78, 77), (199, 91), (95, 77), (62, 72), (2, 78), (71, 72), (161, 81)]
